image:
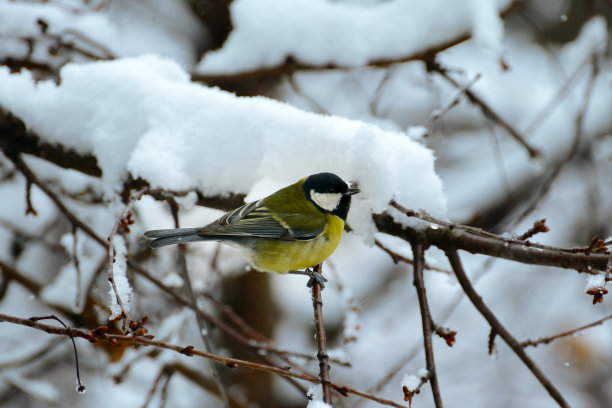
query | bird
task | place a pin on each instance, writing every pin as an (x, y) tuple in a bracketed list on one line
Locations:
[(295, 228)]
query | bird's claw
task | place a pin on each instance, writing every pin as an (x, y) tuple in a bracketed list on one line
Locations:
[(314, 277)]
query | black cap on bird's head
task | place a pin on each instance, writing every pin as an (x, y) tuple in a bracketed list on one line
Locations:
[(329, 193)]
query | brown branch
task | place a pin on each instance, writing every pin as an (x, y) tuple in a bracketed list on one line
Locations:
[(15, 138), (499, 328), (548, 339), (538, 226), (448, 235), (317, 305), (418, 251), (100, 334)]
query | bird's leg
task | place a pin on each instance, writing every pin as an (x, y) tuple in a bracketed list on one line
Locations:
[(314, 276)]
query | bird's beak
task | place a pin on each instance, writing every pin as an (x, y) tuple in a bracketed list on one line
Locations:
[(352, 191)]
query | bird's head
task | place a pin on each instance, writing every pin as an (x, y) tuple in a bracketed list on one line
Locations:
[(329, 193)]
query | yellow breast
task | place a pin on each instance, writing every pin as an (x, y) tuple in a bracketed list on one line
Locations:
[(282, 256)]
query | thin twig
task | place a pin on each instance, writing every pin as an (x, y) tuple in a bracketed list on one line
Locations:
[(499, 328), (80, 386), (437, 114), (418, 251), (548, 339), (101, 335), (487, 111), (317, 305)]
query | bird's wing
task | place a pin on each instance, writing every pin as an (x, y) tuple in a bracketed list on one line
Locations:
[(255, 220)]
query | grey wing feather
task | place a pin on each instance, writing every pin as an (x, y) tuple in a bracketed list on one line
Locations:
[(254, 220)]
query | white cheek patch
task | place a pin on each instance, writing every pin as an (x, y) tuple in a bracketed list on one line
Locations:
[(327, 201)]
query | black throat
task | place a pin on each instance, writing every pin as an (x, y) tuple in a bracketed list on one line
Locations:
[(343, 208)]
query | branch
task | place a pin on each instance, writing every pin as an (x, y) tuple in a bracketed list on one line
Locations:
[(15, 138), (546, 340), (317, 305), (499, 329), (449, 235), (419, 283), (100, 334)]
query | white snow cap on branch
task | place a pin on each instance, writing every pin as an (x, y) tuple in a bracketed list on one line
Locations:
[(321, 32), (124, 290), (597, 281), (144, 116), (411, 381)]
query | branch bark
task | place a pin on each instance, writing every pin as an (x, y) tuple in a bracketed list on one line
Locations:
[(317, 305), (448, 235), (419, 283), (499, 329)]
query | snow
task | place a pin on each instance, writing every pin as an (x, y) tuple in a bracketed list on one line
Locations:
[(169, 27), (315, 393), (124, 290), (597, 281), (347, 34), (410, 381), (147, 107)]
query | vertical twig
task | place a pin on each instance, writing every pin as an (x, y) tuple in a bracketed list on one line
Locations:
[(418, 252), (317, 305), (498, 328)]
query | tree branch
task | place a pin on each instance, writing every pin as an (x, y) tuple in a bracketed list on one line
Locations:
[(317, 305), (499, 329), (476, 241), (100, 334), (419, 283)]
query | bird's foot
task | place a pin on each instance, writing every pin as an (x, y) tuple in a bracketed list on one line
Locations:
[(314, 276)]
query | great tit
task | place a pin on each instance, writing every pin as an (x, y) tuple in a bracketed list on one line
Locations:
[(297, 227)]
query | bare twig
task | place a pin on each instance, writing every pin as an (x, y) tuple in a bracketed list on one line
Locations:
[(100, 334), (548, 339), (317, 305), (453, 101), (487, 111), (499, 328), (418, 251), (538, 226), (80, 386)]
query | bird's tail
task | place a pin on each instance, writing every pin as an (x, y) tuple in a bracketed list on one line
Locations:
[(173, 236)]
